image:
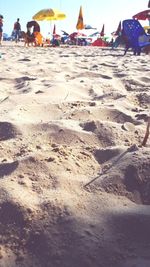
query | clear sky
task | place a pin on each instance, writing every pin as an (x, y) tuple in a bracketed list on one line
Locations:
[(95, 13)]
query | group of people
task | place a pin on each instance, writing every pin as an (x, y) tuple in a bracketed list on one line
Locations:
[(32, 35), (16, 29), (17, 33)]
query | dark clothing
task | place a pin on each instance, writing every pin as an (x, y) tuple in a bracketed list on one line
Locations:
[(1, 25), (17, 26), (34, 24), (17, 29)]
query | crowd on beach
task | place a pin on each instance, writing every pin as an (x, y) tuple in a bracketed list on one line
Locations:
[(34, 37)]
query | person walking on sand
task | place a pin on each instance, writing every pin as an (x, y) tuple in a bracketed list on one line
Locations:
[(17, 29), (1, 28)]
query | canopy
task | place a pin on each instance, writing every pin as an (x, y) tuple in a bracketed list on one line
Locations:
[(49, 14), (80, 24)]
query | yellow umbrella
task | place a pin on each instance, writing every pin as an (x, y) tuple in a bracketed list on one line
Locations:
[(49, 14), (80, 24)]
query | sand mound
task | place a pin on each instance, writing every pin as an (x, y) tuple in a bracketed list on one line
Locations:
[(125, 174), (109, 133)]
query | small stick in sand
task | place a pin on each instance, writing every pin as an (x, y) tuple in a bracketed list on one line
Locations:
[(147, 133), (4, 99)]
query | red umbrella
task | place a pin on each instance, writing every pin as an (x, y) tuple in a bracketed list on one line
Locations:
[(118, 31), (102, 31), (142, 15)]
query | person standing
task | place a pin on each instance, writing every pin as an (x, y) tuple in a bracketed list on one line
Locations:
[(17, 29), (1, 28)]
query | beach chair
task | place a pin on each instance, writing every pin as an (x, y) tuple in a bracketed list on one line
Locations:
[(135, 36)]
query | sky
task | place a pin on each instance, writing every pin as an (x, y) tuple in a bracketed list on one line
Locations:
[(95, 13)]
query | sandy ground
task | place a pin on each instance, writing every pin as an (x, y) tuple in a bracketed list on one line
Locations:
[(74, 178)]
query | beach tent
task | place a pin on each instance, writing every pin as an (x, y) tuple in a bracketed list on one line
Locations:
[(80, 24)]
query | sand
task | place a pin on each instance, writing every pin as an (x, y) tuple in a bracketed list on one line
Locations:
[(74, 178)]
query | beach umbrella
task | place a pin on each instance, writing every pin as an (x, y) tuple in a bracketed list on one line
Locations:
[(80, 24), (118, 31), (102, 31), (143, 15), (54, 30), (49, 14)]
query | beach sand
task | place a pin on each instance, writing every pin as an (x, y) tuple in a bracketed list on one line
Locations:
[(74, 178)]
